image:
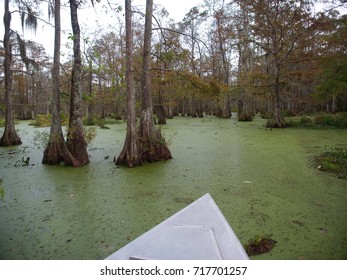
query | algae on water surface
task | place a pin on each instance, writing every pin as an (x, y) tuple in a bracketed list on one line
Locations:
[(262, 181)]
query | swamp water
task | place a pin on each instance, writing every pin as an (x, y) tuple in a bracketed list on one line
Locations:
[(262, 181)]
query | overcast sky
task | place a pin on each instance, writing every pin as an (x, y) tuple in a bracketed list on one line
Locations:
[(87, 17)]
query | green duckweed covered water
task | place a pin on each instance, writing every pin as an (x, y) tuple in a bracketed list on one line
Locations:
[(263, 181)]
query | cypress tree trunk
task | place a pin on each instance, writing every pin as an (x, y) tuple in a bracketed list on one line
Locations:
[(90, 106), (160, 109), (151, 143), (226, 107), (75, 138), (130, 154), (56, 151), (244, 112), (279, 121), (245, 67), (226, 110), (10, 137)]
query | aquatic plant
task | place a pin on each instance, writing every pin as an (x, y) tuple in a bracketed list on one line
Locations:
[(334, 160), (42, 120), (320, 120), (45, 120), (302, 121), (259, 244), (103, 122), (22, 162), (272, 123), (335, 120)]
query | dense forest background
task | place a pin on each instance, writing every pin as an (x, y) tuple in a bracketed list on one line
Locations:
[(275, 57)]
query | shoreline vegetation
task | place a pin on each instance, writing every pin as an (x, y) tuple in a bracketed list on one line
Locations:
[(333, 159), (318, 120)]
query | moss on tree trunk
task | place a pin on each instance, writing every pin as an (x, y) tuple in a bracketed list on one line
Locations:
[(75, 139)]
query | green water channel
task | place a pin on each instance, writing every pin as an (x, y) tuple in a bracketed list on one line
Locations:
[(263, 181)]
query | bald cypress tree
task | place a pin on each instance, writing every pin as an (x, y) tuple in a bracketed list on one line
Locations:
[(10, 136), (151, 143), (130, 154), (75, 138), (56, 151)]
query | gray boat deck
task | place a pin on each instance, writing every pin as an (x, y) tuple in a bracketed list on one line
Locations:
[(197, 232)]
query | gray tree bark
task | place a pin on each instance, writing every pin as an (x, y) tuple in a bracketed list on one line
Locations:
[(56, 151), (152, 144), (75, 138), (130, 154), (10, 136)]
